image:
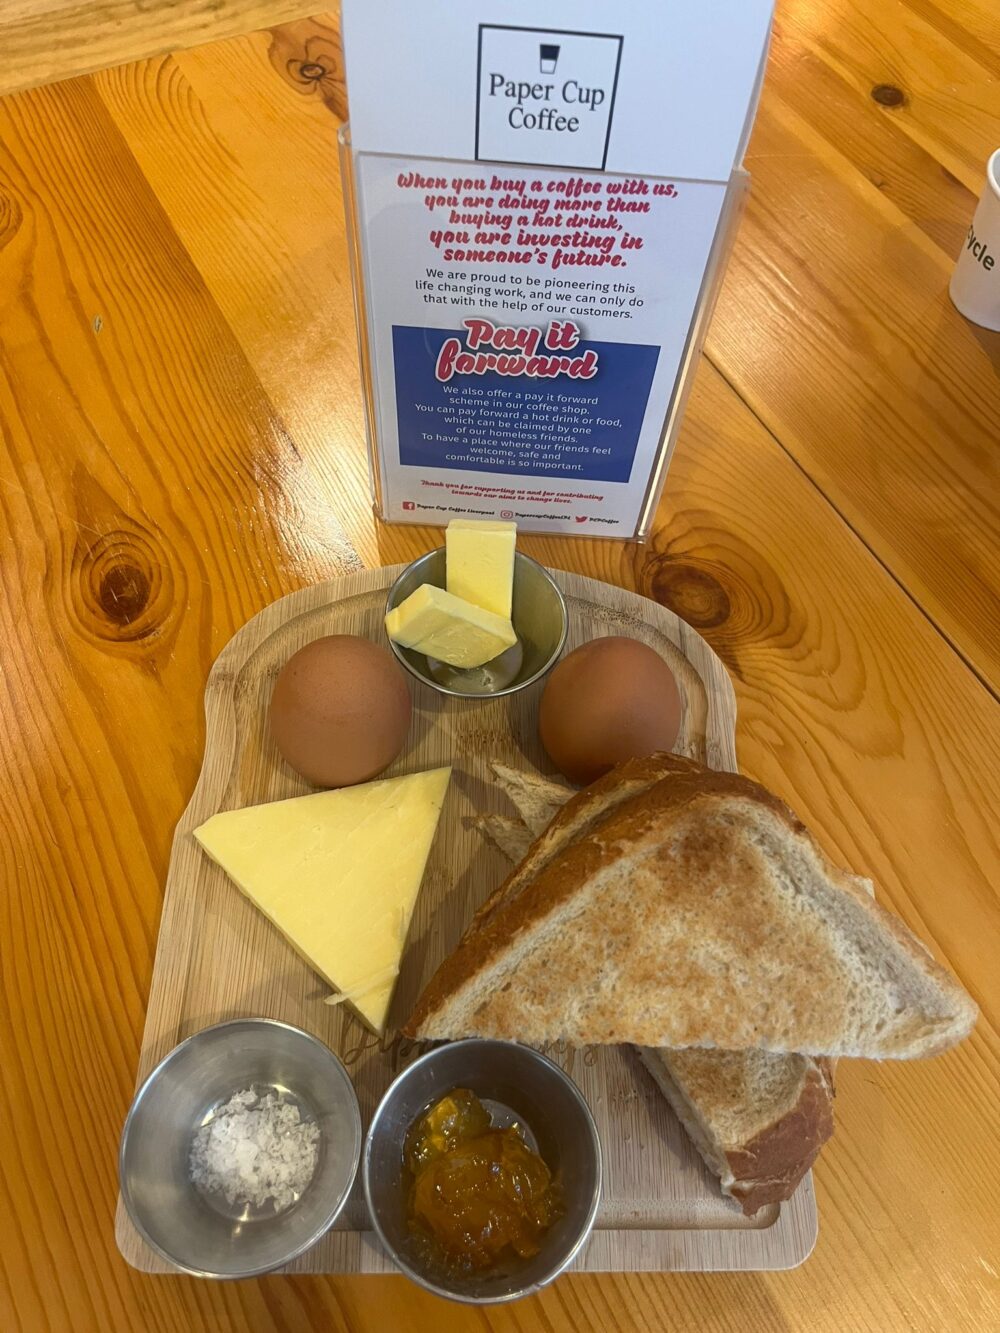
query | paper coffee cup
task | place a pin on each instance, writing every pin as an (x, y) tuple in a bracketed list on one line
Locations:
[(975, 284)]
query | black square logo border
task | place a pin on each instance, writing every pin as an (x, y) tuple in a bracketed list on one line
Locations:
[(557, 32)]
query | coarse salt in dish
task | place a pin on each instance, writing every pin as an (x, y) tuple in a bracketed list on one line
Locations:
[(255, 1148)]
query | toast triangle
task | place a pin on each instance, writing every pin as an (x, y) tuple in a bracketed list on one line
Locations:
[(699, 912), (758, 1119)]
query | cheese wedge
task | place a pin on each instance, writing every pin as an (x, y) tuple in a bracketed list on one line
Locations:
[(338, 873), (441, 625), (480, 562)]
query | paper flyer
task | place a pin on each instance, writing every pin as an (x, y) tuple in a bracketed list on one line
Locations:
[(529, 274)]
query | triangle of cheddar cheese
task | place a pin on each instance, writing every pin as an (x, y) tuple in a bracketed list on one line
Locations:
[(338, 873)]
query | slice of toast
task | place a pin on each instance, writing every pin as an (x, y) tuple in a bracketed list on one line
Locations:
[(567, 814), (758, 1119), (698, 912)]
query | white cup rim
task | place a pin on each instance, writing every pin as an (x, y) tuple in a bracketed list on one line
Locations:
[(993, 173)]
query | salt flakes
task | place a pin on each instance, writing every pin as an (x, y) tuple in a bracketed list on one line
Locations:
[(254, 1149)]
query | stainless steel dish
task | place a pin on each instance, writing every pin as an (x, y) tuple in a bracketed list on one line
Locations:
[(539, 619), (203, 1234), (515, 1083)]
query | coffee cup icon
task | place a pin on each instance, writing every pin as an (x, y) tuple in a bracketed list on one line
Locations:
[(547, 58)]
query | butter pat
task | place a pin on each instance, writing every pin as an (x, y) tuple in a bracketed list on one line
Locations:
[(338, 873), (444, 626), (481, 563)]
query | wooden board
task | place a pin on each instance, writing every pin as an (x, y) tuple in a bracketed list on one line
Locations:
[(219, 958)]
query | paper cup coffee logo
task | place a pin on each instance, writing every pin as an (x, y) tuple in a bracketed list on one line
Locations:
[(975, 284), (545, 98)]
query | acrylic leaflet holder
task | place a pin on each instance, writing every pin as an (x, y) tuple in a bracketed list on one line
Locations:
[(528, 335)]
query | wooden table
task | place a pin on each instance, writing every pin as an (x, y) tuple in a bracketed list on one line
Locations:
[(182, 442)]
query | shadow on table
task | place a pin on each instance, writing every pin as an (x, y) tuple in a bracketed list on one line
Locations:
[(990, 343), (400, 543), (954, 333)]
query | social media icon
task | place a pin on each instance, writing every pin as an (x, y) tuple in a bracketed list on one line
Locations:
[(408, 504), (581, 518)]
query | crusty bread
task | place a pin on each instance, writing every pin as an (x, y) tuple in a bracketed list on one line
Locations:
[(758, 1119), (567, 814), (510, 835), (536, 799), (698, 912)]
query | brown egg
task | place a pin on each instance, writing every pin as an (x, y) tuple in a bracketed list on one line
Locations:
[(608, 700), (340, 710)]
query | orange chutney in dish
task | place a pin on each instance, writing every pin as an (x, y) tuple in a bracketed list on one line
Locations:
[(475, 1191)]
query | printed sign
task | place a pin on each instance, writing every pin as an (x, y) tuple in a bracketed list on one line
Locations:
[(529, 294), (526, 331)]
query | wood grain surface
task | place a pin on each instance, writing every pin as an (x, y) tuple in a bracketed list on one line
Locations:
[(182, 442), (45, 40)]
